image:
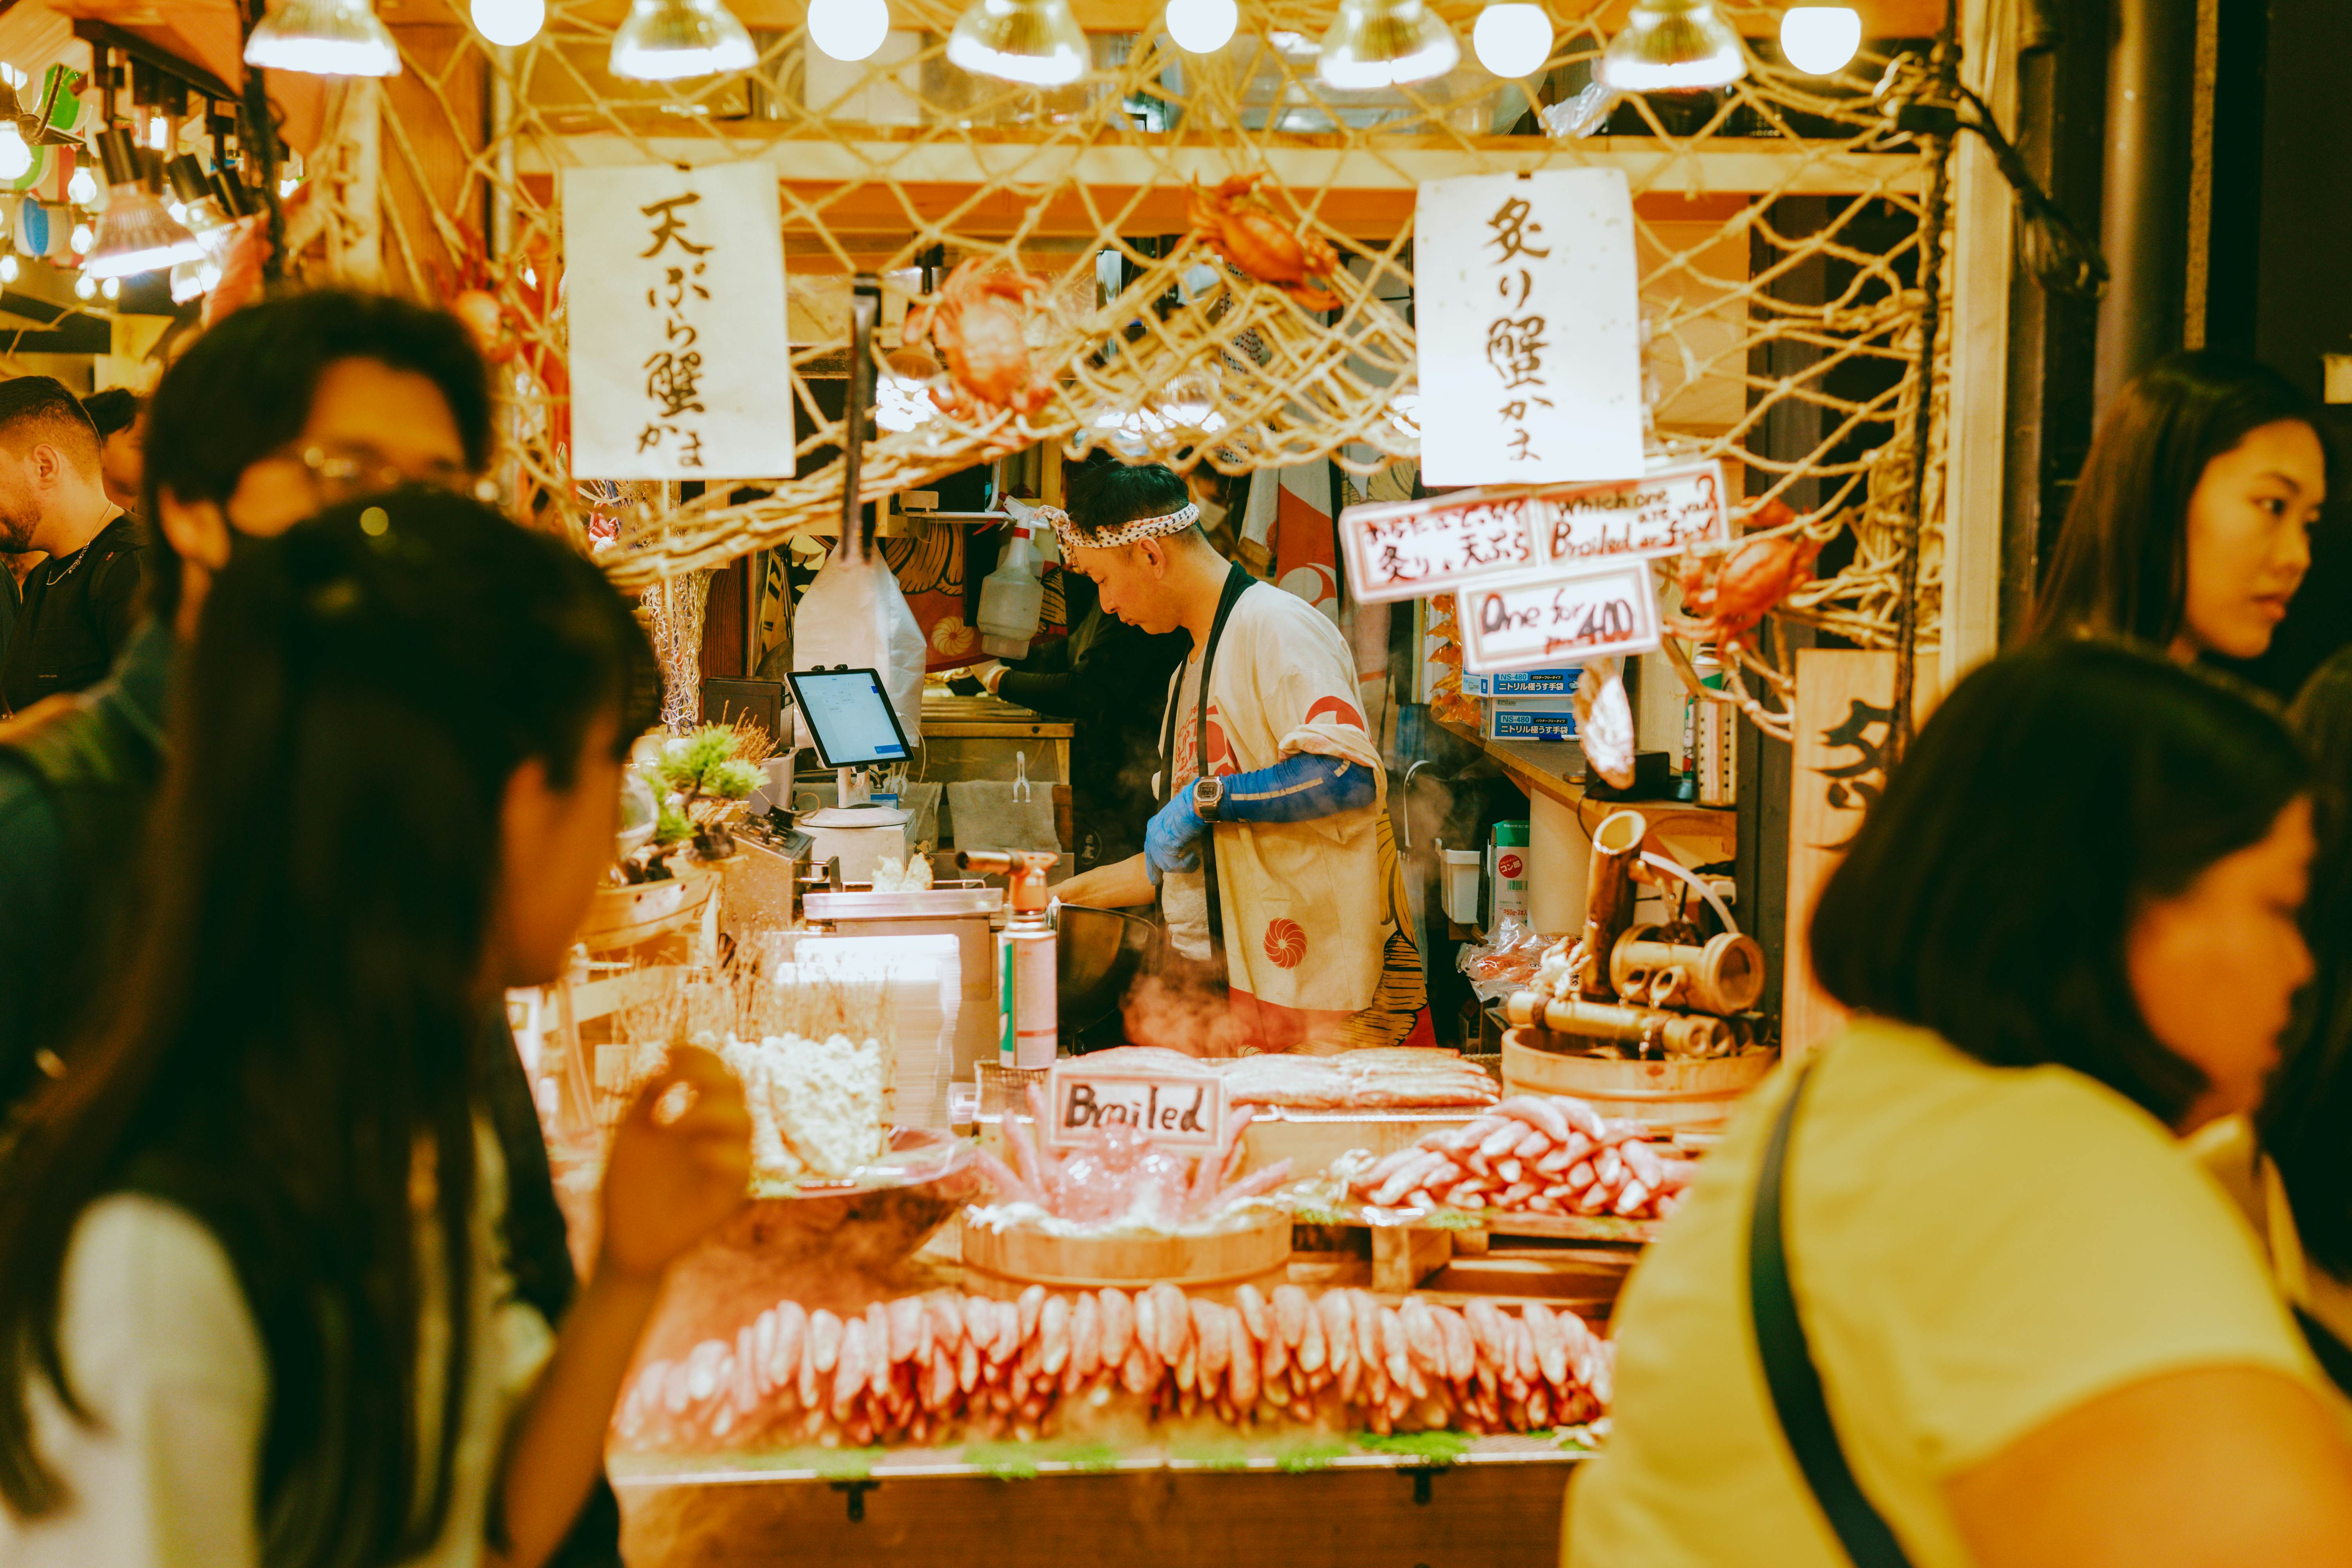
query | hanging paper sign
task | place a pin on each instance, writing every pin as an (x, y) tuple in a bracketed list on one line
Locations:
[(1177, 1111), (1544, 623), (675, 293), (1529, 314), (1401, 550)]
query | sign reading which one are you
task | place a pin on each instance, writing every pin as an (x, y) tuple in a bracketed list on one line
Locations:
[(1528, 310), (673, 283)]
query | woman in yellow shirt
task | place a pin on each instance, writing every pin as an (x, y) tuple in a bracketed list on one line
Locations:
[(2034, 1330)]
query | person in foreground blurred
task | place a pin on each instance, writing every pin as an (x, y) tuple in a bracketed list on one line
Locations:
[(2034, 1329), (2291, 1167), (248, 1245), (282, 408), (120, 415), (2190, 526)]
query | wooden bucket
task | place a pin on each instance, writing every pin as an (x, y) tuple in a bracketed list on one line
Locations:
[(1695, 1095), (624, 917), (1030, 1256)]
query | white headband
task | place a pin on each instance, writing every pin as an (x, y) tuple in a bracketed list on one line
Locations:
[(1118, 533)]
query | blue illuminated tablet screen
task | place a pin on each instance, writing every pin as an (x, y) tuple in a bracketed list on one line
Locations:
[(849, 715)]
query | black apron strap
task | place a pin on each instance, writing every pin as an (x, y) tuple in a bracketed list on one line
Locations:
[(1788, 1371), (1237, 581)]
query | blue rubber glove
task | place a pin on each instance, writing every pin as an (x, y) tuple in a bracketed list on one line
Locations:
[(1171, 841)]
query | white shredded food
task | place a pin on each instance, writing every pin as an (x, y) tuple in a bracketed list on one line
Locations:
[(816, 1105)]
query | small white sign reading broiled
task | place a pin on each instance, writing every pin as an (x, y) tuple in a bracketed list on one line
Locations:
[(1657, 514), (1181, 1110)]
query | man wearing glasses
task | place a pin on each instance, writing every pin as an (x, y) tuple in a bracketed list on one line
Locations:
[(282, 409)]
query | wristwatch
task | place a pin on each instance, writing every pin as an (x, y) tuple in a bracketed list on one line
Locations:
[(1208, 796)]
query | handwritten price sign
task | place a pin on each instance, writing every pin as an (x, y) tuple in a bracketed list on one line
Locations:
[(1553, 621), (1402, 549)]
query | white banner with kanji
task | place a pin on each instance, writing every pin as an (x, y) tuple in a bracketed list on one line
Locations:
[(1527, 307), (674, 286)]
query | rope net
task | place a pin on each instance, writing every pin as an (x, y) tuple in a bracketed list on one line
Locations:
[(1778, 231)]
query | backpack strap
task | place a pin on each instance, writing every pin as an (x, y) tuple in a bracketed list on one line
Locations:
[(1798, 1400)]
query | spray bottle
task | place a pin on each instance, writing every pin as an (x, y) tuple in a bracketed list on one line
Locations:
[(1028, 972), (1012, 596)]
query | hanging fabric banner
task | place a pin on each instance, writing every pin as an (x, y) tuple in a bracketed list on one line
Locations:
[(675, 295), (1529, 323)]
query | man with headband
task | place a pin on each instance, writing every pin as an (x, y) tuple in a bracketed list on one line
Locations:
[(1271, 855)]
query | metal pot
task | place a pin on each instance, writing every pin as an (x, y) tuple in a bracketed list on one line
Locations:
[(1097, 953)]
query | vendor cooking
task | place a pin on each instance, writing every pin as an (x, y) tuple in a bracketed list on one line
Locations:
[(1298, 910)]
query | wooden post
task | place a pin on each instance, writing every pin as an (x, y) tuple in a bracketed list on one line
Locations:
[(1975, 444), (1844, 718)]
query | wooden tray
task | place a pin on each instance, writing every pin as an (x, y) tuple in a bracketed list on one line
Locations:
[(1671, 1096), (624, 917), (1031, 1257), (1311, 1140)]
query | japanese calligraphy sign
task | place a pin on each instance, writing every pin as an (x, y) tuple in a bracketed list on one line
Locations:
[(1529, 315), (1543, 623), (1399, 549), (1178, 1111), (675, 295)]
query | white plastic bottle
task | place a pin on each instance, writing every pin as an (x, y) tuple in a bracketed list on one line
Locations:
[(1010, 599)]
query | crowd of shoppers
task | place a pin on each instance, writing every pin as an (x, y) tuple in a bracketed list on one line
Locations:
[(2047, 1258)]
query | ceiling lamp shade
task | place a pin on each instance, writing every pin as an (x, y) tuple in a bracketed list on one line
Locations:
[(323, 38), (670, 41), (1036, 43), (134, 233), (1673, 46), (1376, 44), (199, 208)]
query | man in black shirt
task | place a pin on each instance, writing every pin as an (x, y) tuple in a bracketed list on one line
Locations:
[(82, 604)]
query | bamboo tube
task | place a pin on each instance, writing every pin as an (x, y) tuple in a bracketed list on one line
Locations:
[(1608, 899)]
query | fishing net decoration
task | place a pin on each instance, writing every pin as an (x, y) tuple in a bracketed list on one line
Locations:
[(1154, 344)]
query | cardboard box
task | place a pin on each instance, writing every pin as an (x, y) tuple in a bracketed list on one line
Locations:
[(1522, 683), (1543, 719)]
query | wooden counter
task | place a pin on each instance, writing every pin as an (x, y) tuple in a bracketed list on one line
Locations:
[(1699, 834)]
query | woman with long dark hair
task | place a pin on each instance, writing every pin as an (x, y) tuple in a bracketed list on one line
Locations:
[(1957, 1266), (248, 1282), (2190, 528)]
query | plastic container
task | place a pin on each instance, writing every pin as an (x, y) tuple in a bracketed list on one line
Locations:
[(1011, 599), (1462, 870)]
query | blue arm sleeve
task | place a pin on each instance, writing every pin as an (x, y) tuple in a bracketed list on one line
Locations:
[(1299, 788)]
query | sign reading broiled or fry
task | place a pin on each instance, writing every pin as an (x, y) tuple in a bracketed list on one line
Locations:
[(1529, 319), (1180, 1110), (674, 292), (1542, 623), (1402, 549)]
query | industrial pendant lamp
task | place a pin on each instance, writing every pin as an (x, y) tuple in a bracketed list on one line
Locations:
[(200, 210), (1034, 42), (323, 38), (669, 40), (1376, 44), (134, 233), (1673, 46)]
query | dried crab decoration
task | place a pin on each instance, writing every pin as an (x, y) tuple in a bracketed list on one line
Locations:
[(1237, 218), (1730, 592), (977, 318)]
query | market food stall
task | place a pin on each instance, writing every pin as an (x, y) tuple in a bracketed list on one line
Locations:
[(1222, 1301)]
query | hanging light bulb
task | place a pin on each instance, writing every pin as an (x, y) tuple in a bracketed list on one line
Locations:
[(9, 268), (82, 239), (670, 41), (16, 157), (323, 38), (85, 287), (111, 288), (1819, 39), (1376, 44), (1202, 27), (1034, 42), (1672, 46), (195, 206), (510, 23), (134, 233), (82, 189), (849, 30), (1512, 38)]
